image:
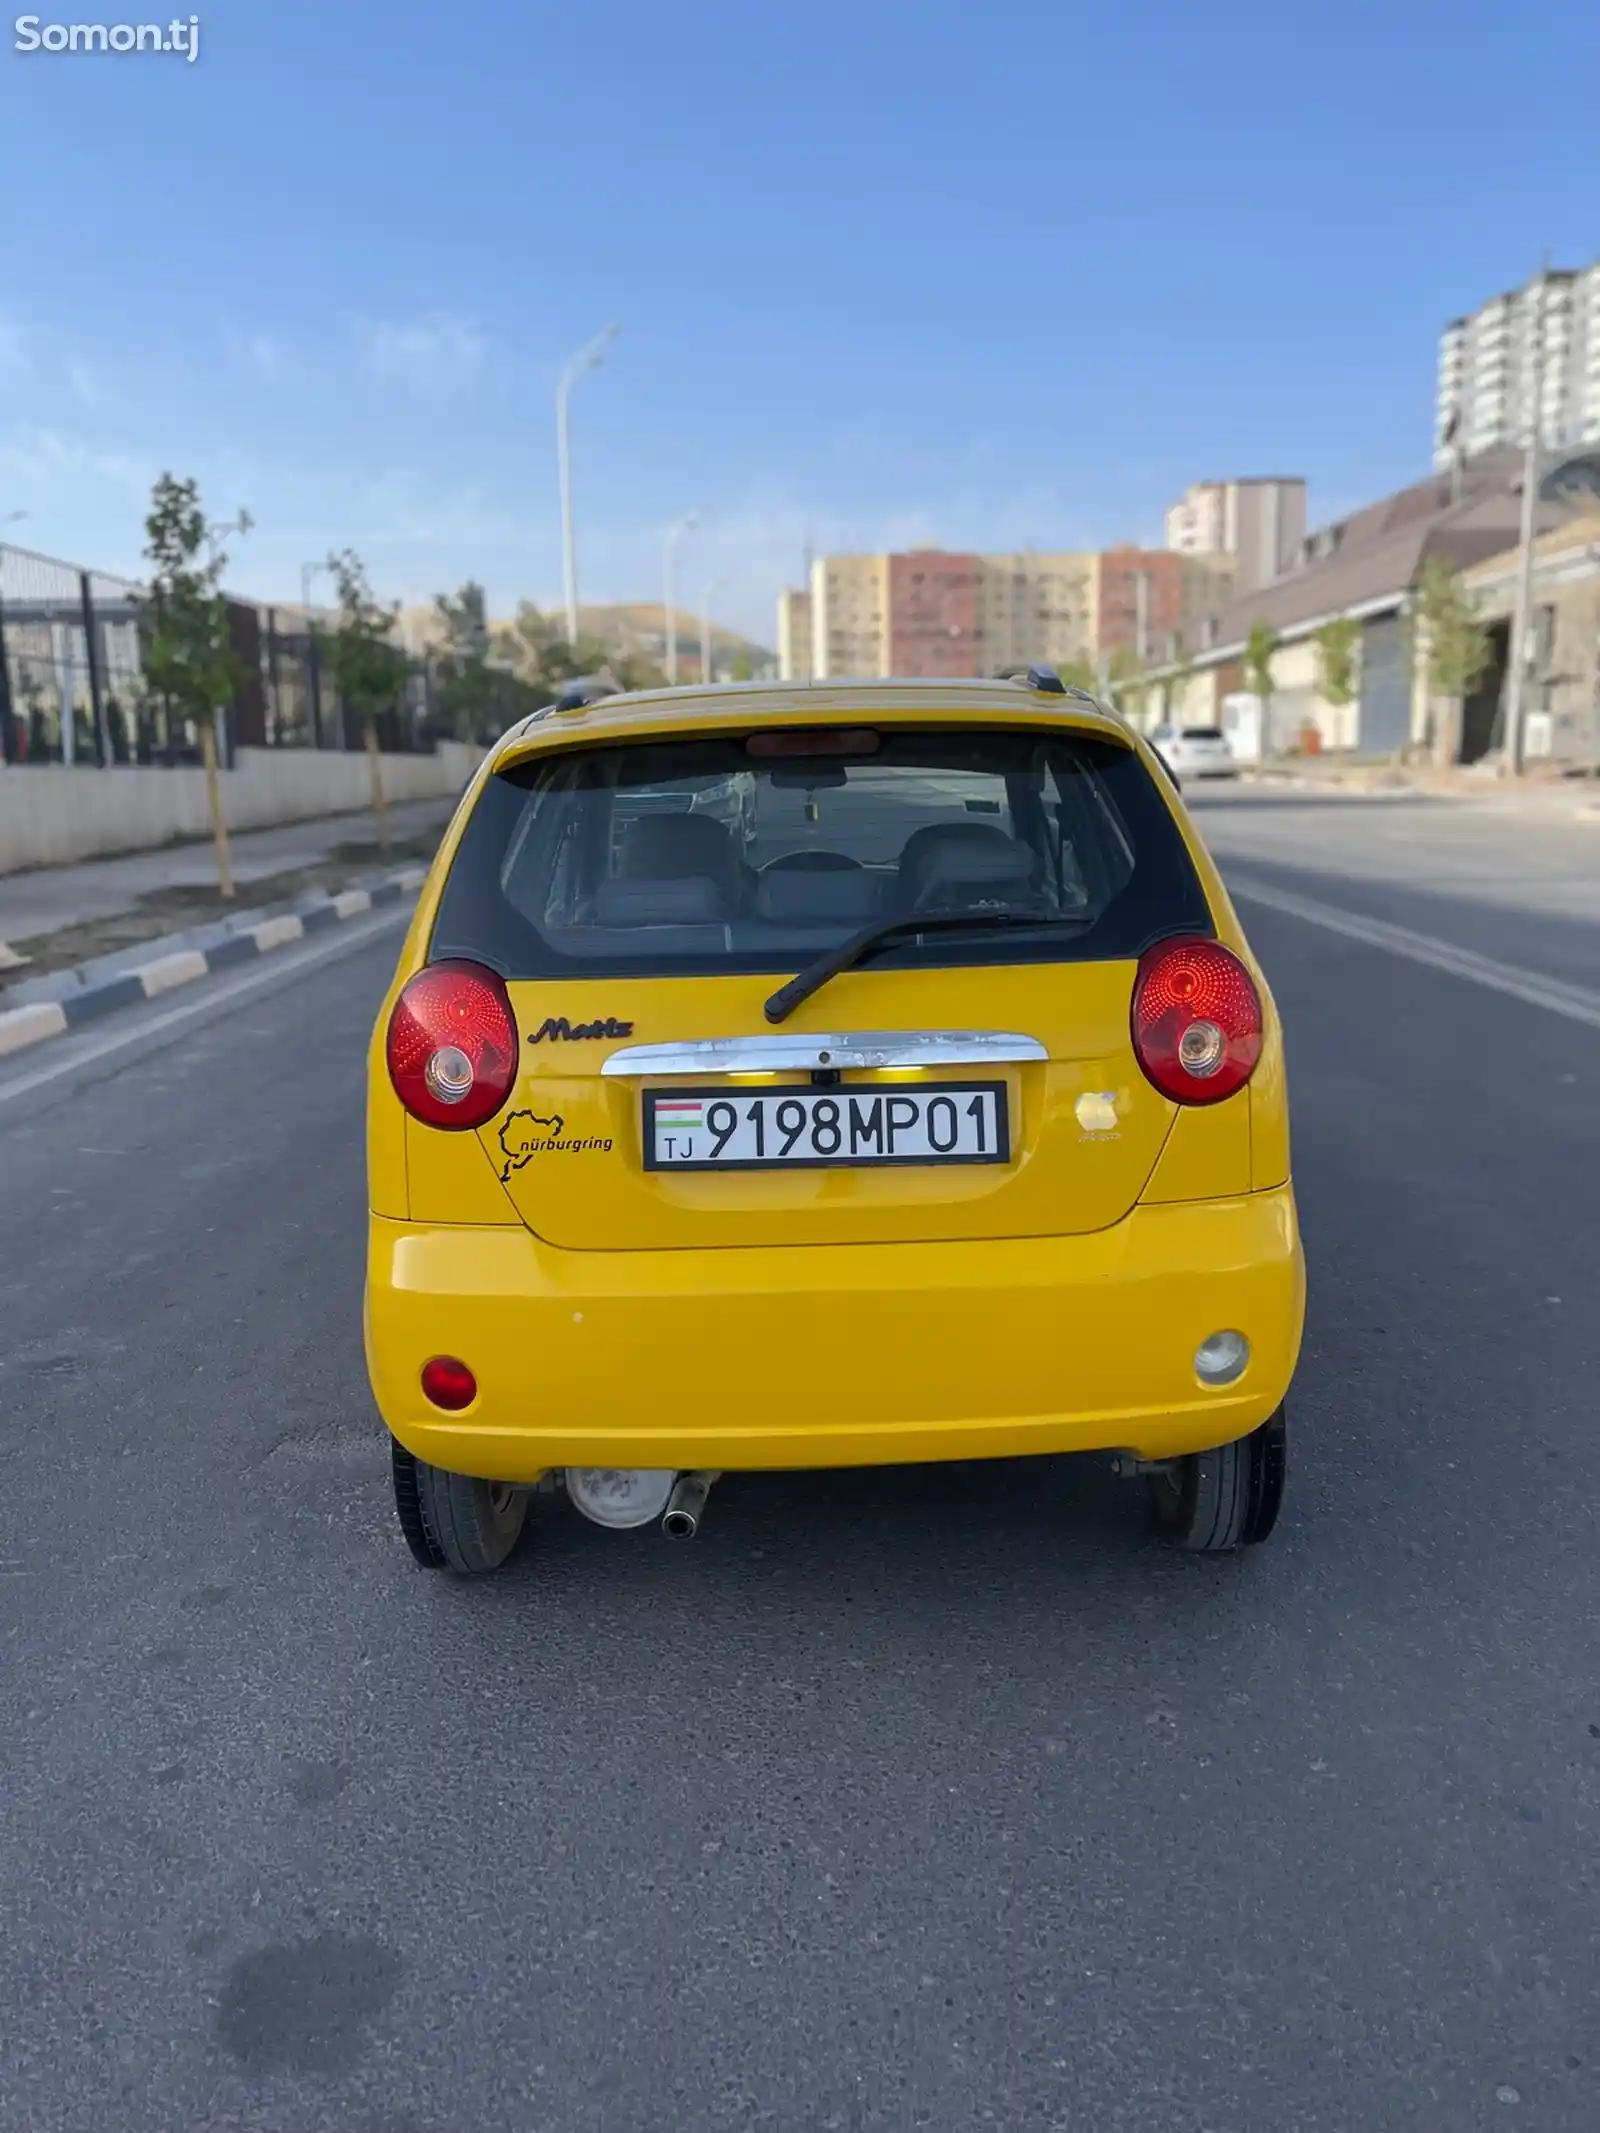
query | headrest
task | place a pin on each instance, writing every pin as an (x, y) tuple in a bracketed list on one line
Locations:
[(667, 847), (957, 857)]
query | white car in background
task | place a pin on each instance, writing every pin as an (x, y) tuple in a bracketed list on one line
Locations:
[(1195, 751)]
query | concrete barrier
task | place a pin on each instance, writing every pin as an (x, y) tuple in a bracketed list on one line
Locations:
[(108, 983), (53, 816)]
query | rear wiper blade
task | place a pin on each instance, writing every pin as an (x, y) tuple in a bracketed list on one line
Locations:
[(860, 945)]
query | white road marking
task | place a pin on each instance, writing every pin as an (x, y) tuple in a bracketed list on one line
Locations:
[(1577, 1002), (271, 972)]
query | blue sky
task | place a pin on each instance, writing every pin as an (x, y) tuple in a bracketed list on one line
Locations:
[(984, 276)]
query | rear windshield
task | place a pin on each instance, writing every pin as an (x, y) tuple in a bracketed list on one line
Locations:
[(1202, 733), (706, 855)]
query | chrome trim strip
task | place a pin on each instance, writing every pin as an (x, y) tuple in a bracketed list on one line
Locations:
[(869, 1049)]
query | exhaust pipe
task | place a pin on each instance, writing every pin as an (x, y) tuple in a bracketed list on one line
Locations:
[(686, 1506)]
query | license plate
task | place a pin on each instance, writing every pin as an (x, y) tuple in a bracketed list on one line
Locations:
[(803, 1127)]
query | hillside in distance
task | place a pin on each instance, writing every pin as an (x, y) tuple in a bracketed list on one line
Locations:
[(624, 628)]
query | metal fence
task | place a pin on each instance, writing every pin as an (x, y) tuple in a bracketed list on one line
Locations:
[(73, 689), (71, 677)]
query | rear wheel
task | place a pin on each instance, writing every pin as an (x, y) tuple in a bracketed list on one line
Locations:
[(455, 1521), (1212, 1502)]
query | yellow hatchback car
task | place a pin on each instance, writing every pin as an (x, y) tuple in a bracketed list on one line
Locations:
[(823, 1075)]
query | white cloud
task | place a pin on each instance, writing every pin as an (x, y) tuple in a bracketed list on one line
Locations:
[(33, 454), (436, 356), (87, 500), (16, 362), (90, 388), (40, 359), (263, 354)]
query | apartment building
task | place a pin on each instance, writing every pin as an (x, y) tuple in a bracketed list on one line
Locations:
[(794, 636), (1260, 523), (936, 611), (1035, 607), (1488, 361), (849, 615), (1136, 601), (931, 613)]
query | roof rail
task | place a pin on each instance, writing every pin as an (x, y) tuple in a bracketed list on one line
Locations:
[(1043, 679), (586, 689)]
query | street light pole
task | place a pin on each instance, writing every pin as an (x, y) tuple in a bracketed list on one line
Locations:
[(1520, 616), (586, 359), (675, 533)]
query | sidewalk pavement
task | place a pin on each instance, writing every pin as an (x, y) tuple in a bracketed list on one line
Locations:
[(63, 1001), (51, 899), (1545, 797)]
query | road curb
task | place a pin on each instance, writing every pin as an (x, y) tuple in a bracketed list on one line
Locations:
[(85, 994), (1567, 798)]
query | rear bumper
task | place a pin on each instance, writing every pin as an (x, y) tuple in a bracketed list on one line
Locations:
[(848, 1355)]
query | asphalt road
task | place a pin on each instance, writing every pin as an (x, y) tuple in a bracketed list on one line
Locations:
[(936, 1799)]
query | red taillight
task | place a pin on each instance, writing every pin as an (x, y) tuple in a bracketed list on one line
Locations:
[(1196, 1021), (452, 1046), (448, 1383)]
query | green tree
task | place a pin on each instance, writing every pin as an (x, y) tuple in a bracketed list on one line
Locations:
[(1261, 649), (368, 667), (468, 692), (1125, 683), (538, 654), (635, 670), (1080, 673), (1337, 644), (743, 667), (367, 664), (1455, 643), (534, 648), (188, 657)]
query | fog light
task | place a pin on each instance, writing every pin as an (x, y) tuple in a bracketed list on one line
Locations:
[(448, 1383), (1220, 1358), (620, 1496)]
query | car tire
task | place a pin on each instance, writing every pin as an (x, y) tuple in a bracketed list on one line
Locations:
[(1213, 1502), (455, 1521)]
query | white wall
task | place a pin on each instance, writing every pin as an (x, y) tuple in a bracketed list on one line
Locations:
[(1297, 702), (1197, 702), (51, 816)]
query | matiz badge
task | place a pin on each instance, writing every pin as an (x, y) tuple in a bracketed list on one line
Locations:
[(560, 1030)]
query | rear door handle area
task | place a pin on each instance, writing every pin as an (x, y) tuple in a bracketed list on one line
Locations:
[(872, 1050)]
